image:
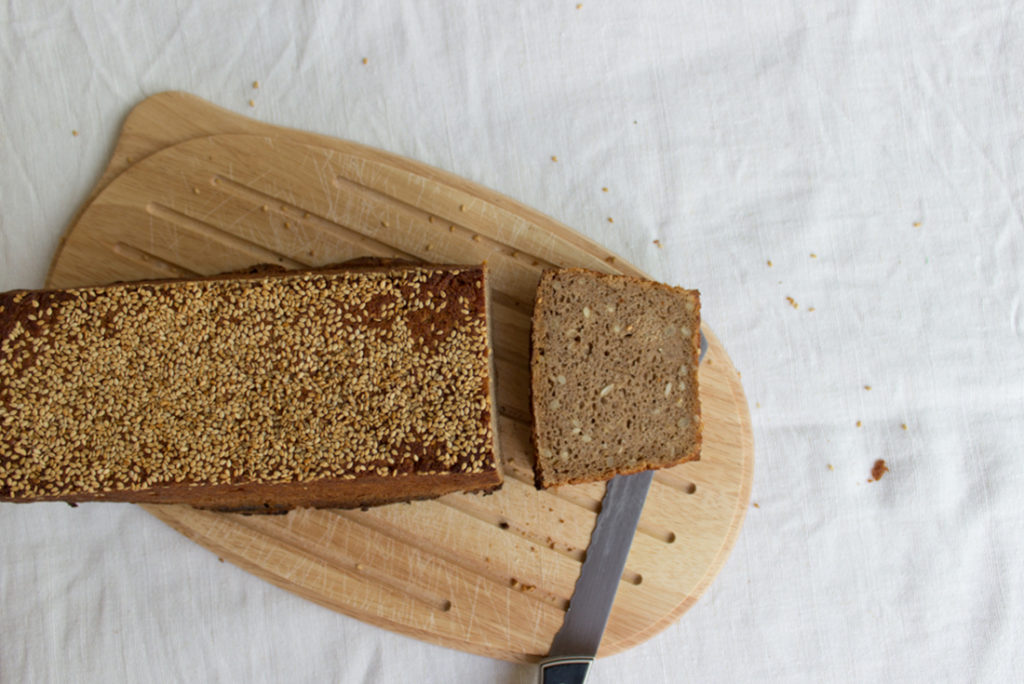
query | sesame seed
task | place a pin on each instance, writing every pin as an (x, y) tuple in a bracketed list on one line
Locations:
[(132, 386)]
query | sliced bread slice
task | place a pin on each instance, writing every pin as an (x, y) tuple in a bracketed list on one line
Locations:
[(614, 376)]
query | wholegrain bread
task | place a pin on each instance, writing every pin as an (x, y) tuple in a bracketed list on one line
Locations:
[(614, 376), (261, 392)]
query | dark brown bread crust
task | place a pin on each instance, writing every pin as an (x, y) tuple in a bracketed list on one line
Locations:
[(424, 472), (545, 474)]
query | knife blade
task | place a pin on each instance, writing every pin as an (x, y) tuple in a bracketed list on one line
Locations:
[(575, 645)]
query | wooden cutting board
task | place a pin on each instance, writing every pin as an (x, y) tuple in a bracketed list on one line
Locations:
[(193, 189)]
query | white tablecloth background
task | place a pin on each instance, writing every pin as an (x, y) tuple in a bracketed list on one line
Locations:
[(887, 138)]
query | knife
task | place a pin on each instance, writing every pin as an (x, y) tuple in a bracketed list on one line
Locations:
[(575, 645)]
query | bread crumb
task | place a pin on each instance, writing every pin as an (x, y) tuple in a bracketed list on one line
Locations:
[(810, 308), (830, 467), (604, 189), (252, 103), (579, 5), (74, 132), (813, 255), (287, 224), (769, 263), (917, 224), (264, 208), (611, 220), (903, 426), (859, 423), (477, 238), (255, 84), (385, 224), (451, 229), (516, 584), (657, 243), (867, 387), (878, 470), (757, 505), (462, 207), (792, 302), (195, 191), (428, 248), (365, 60), (554, 158), (610, 260)]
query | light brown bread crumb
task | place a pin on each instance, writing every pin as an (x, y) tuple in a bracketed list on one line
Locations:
[(614, 376)]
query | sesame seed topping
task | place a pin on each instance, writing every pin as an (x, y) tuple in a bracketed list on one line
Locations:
[(275, 379)]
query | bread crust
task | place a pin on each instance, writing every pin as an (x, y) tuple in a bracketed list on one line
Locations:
[(432, 474)]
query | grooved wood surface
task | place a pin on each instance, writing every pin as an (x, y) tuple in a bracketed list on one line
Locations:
[(193, 189)]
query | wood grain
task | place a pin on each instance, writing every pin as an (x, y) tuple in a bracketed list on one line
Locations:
[(193, 189)]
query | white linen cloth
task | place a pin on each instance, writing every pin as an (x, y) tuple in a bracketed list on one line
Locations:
[(886, 138)]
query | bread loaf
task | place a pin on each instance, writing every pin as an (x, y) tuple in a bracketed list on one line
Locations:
[(614, 376), (345, 387)]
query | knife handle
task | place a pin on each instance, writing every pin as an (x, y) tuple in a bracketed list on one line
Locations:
[(565, 670)]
